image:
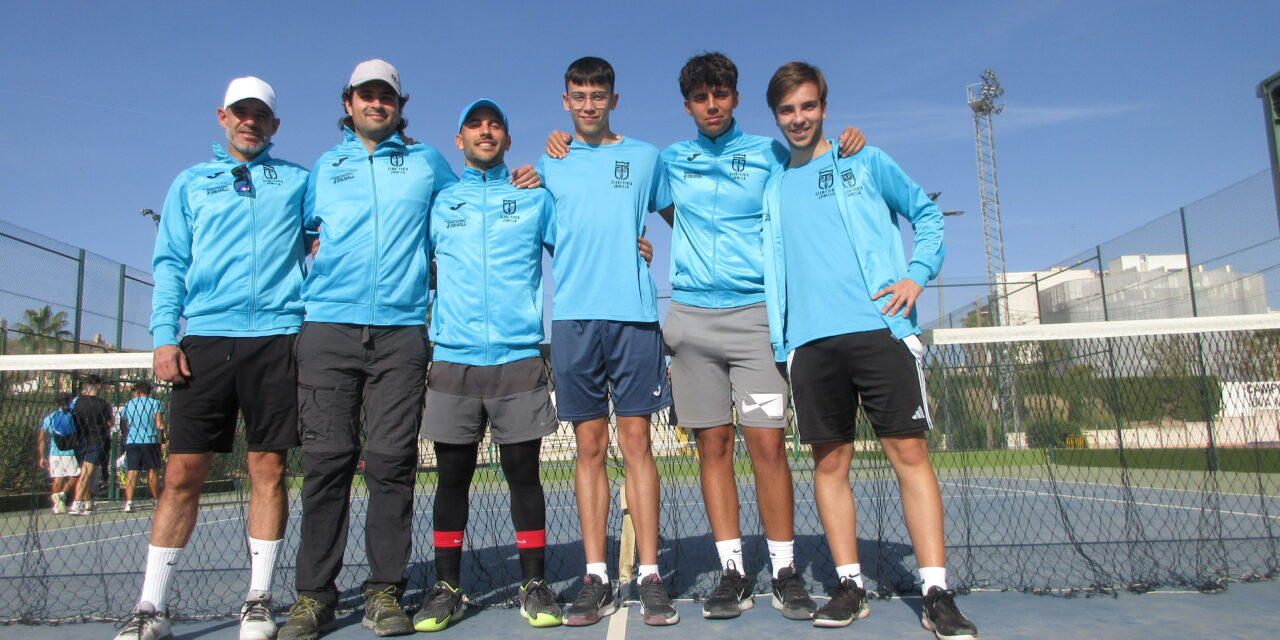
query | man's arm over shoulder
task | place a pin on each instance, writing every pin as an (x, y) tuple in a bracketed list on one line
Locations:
[(908, 199), (440, 167), (170, 262)]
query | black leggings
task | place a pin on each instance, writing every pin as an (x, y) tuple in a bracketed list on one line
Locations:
[(456, 465)]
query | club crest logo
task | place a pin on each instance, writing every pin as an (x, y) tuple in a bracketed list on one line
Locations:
[(397, 159), (826, 178), (269, 172), (847, 177), (508, 207), (621, 170), (739, 163)]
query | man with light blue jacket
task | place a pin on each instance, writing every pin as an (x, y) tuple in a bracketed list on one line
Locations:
[(833, 253), (228, 260)]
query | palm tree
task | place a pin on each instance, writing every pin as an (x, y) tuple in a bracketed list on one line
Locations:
[(43, 330)]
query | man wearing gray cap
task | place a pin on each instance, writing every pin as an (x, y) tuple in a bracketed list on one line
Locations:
[(228, 259)]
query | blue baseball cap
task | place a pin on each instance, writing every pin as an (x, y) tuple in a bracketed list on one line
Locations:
[(483, 102)]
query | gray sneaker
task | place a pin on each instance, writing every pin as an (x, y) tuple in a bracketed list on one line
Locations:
[(257, 622), (655, 603), (382, 612), (308, 619), (145, 622)]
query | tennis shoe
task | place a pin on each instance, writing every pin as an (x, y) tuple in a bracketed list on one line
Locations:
[(308, 619), (441, 607), (382, 612), (59, 503), (790, 596), (848, 603), (145, 622), (595, 600), (256, 620), (128, 506), (655, 603), (941, 616), (538, 604), (730, 598)]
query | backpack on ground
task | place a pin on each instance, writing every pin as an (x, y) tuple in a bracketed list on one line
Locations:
[(65, 435)]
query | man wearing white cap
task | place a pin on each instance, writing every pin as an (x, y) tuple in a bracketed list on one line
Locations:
[(228, 259)]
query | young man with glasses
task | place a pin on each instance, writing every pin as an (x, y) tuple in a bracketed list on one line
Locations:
[(228, 259), (841, 294), (605, 340)]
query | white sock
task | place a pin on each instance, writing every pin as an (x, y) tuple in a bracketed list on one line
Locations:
[(730, 551), (160, 567), (600, 570), (646, 570), (782, 553), (262, 563), (933, 577), (850, 571)]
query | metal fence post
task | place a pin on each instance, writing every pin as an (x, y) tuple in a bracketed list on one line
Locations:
[(75, 345), (120, 311), (1186, 248)]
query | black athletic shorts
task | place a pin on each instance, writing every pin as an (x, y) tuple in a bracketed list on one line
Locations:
[(831, 375), (231, 376)]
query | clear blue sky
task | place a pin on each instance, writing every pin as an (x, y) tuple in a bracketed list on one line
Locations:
[(1117, 112)]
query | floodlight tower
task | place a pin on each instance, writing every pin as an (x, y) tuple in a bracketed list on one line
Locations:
[(982, 100)]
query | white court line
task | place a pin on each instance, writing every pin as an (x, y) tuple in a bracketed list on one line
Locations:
[(1144, 504), (1134, 486), (101, 540), (618, 624)]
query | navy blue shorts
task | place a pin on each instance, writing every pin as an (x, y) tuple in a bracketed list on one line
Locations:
[(593, 359)]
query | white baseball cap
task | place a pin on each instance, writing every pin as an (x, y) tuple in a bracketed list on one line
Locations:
[(249, 87), (375, 69)]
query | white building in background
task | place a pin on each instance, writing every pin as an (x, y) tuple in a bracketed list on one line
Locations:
[(1138, 287)]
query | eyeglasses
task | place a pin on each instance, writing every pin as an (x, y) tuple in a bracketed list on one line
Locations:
[(244, 183), (598, 99)]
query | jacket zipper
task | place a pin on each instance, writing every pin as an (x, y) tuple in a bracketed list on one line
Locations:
[(377, 242)]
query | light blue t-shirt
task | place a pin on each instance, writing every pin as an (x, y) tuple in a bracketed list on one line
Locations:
[(602, 195), (47, 426), (141, 414), (822, 269)]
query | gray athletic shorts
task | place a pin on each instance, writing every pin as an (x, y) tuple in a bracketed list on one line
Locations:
[(512, 398), (721, 359)]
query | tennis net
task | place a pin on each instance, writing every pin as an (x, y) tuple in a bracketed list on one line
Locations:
[(1077, 457)]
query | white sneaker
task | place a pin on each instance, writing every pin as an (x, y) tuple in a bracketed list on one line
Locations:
[(59, 503), (257, 622), (77, 509), (145, 623), (128, 506)]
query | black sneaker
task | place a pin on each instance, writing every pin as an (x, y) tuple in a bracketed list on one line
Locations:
[(382, 612), (941, 616), (594, 601), (538, 604), (655, 603), (848, 603), (440, 607), (790, 596), (730, 598), (308, 619)]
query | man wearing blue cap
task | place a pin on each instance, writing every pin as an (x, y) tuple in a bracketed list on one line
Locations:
[(487, 237), (228, 259)]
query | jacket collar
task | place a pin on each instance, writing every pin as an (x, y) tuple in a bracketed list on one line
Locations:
[(220, 155), (500, 174), (732, 134), (392, 141)]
